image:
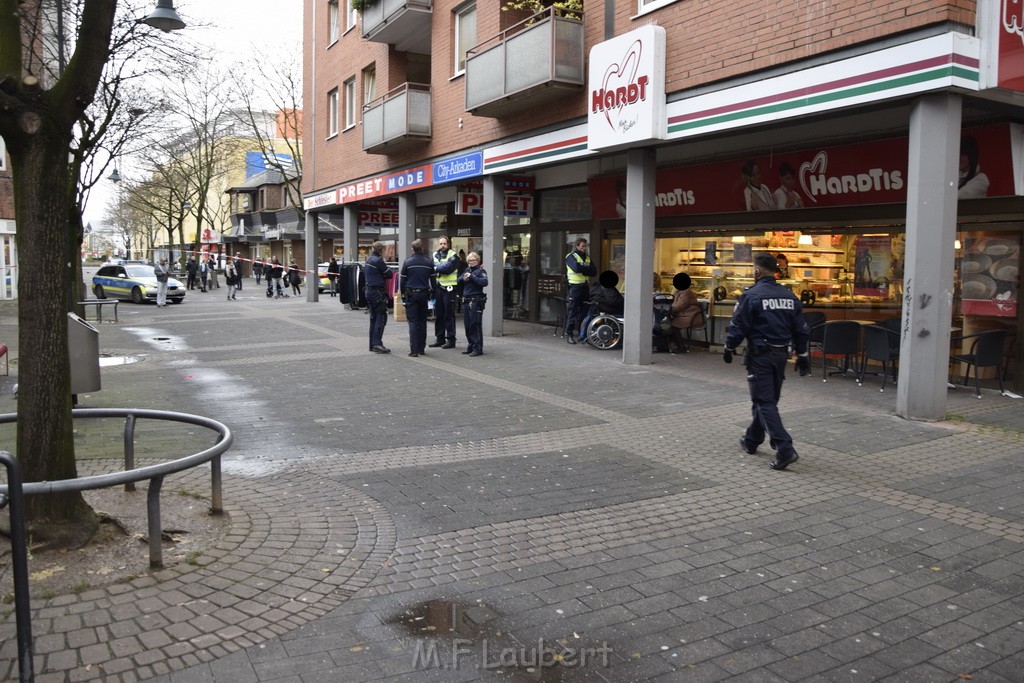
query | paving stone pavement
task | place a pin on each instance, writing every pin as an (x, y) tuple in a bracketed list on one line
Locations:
[(542, 513)]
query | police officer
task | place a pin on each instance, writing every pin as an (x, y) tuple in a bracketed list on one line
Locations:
[(768, 317), (375, 274), (474, 279), (415, 286), (446, 265), (578, 269)]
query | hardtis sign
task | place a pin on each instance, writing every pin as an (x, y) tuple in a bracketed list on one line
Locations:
[(627, 90)]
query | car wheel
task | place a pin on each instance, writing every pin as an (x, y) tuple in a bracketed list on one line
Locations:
[(137, 295), (98, 291)]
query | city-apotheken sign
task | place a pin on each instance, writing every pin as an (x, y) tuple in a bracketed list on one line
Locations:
[(626, 90)]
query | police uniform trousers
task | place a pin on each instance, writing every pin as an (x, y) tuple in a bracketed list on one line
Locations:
[(576, 307), (473, 318), (765, 374), (444, 315), (377, 303), (416, 313)]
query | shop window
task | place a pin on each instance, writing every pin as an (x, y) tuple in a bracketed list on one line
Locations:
[(332, 113), (565, 204), (465, 35), (332, 21)]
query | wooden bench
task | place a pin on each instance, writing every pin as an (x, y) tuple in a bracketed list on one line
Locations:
[(99, 304)]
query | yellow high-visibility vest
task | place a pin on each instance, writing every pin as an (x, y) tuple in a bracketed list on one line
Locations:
[(574, 277)]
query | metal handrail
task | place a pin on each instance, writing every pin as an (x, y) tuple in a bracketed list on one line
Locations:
[(395, 92), (19, 564), (546, 14), (155, 473)]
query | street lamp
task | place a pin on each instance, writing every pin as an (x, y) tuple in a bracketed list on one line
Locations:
[(164, 17)]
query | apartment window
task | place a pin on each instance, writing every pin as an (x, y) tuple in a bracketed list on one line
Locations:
[(332, 113), (369, 84), (350, 103), (350, 15), (332, 6), (465, 35), (645, 6)]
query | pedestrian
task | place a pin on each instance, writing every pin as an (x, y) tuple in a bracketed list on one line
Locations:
[(204, 273), (578, 269), (376, 273), (685, 311), (769, 317), (276, 273), (257, 270), (191, 271), (162, 273), (295, 278), (239, 268), (332, 274), (230, 277), (446, 266), (214, 283), (473, 300), (415, 287)]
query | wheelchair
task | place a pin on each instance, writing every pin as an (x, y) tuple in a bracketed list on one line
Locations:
[(604, 332)]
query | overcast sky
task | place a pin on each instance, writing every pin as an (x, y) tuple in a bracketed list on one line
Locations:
[(238, 31)]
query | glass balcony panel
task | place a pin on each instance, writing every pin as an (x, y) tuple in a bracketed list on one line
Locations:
[(399, 118), (394, 116), (399, 23), (483, 77), (568, 51), (373, 126), (528, 58), (419, 112)]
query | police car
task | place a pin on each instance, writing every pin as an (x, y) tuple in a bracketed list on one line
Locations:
[(133, 283)]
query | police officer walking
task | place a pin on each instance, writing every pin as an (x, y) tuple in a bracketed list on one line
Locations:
[(473, 300), (415, 286), (768, 316), (578, 269), (375, 274), (446, 265)]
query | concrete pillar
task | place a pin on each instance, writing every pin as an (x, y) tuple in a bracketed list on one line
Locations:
[(494, 249), (932, 169), (406, 224), (350, 233), (312, 256), (636, 342)]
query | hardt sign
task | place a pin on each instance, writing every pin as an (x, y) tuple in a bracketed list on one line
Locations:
[(626, 90)]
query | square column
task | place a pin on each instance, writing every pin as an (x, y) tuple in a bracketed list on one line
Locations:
[(350, 233), (312, 258), (639, 317), (406, 225), (932, 171), (494, 249)]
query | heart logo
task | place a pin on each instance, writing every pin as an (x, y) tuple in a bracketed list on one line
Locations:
[(620, 75), (815, 165)]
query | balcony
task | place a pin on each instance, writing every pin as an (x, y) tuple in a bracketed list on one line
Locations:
[(402, 23), (398, 120), (529, 64)]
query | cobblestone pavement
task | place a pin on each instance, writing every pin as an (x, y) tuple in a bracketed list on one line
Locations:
[(543, 512)]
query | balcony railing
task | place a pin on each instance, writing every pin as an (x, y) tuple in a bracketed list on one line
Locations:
[(398, 120), (402, 23), (528, 64)]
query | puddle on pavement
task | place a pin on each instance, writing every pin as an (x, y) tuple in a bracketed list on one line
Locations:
[(443, 618), (110, 361)]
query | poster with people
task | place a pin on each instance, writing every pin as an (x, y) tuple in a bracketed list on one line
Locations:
[(872, 265)]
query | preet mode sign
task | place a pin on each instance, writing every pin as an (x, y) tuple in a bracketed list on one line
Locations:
[(626, 90)]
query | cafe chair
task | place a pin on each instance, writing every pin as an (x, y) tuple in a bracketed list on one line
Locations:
[(816, 322), (700, 323), (986, 351), (558, 305), (880, 344), (839, 338)]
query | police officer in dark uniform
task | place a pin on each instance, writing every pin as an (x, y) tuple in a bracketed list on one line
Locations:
[(474, 279), (768, 316), (446, 265), (415, 286), (578, 269), (375, 274)]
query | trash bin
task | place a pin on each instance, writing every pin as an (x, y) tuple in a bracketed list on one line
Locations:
[(83, 355)]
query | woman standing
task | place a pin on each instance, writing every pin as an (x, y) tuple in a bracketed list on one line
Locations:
[(230, 277), (294, 277), (473, 300)]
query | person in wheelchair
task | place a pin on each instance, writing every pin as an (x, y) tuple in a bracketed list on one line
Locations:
[(602, 328)]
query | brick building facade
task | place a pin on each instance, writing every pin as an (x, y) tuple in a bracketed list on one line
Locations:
[(833, 133)]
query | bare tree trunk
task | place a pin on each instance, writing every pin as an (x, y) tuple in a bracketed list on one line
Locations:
[(45, 431)]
